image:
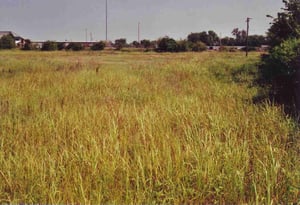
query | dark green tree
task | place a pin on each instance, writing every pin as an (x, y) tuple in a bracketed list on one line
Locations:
[(240, 36), (7, 42), (75, 46), (146, 43), (287, 23), (213, 38), (28, 45), (226, 41), (199, 46), (98, 46), (49, 46), (184, 45), (136, 44), (120, 43), (61, 46), (196, 37), (167, 44)]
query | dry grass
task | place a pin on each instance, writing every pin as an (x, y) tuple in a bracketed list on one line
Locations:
[(141, 128)]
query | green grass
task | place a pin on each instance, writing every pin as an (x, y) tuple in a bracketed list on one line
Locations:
[(141, 128)]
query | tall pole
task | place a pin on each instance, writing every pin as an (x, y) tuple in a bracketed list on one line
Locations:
[(139, 32), (248, 20), (106, 20), (86, 35)]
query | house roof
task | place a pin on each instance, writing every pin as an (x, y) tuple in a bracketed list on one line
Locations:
[(4, 33)]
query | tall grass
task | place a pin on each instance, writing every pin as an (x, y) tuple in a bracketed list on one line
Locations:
[(135, 128)]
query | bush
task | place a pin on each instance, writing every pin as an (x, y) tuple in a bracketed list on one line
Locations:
[(98, 46), (250, 48), (199, 46), (28, 45), (49, 46), (7, 42), (285, 55), (183, 45), (167, 44), (146, 43), (223, 49), (61, 46), (120, 43), (75, 46)]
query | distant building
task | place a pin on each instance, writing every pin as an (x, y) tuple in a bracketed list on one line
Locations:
[(20, 42)]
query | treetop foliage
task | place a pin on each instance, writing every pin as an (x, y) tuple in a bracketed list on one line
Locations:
[(287, 23), (7, 42)]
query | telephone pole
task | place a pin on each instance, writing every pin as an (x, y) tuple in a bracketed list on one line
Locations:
[(139, 34), (86, 35), (106, 20), (248, 21)]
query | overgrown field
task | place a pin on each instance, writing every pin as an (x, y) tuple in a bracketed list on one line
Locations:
[(141, 128)]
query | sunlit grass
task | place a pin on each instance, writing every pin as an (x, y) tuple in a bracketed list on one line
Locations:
[(140, 128)]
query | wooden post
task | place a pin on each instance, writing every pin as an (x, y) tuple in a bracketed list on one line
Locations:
[(248, 20)]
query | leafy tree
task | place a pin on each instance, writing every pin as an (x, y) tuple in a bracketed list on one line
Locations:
[(209, 38), (61, 46), (183, 45), (120, 43), (284, 57), (287, 23), (167, 44), (199, 46), (28, 45), (7, 42), (98, 46), (136, 44), (257, 40), (228, 41), (49, 46), (75, 46), (213, 38), (146, 43), (240, 36), (196, 37)]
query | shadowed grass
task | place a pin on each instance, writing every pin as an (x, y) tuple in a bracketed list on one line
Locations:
[(133, 128)]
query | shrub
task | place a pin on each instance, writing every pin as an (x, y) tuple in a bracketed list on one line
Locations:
[(7, 42), (285, 55), (120, 43), (98, 46), (28, 45), (250, 48), (61, 46), (199, 46), (183, 45), (49, 46), (167, 44), (146, 43), (74, 46), (223, 49)]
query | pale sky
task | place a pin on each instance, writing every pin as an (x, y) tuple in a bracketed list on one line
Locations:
[(69, 19)]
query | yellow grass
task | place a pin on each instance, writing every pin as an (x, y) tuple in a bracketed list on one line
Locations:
[(141, 128)]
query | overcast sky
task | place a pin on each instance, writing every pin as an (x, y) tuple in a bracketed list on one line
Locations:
[(69, 19)]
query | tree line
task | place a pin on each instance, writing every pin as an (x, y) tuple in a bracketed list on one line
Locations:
[(198, 41)]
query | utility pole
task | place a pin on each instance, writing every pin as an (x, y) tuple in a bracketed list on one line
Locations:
[(91, 36), (106, 21), (86, 36), (248, 20), (139, 32)]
